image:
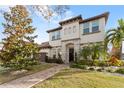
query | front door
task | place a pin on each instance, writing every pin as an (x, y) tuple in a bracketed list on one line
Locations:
[(71, 54), (43, 57)]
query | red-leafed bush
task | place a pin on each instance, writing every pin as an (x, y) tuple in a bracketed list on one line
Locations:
[(114, 61)]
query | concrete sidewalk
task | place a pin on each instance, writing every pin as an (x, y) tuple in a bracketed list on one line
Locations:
[(31, 80)]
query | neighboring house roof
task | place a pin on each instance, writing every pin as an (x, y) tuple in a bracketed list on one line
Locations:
[(106, 14), (79, 17), (45, 45)]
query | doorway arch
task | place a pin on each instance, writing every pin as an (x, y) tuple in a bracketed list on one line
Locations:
[(70, 52)]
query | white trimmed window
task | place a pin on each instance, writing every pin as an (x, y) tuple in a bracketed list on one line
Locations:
[(86, 28), (95, 26), (53, 35), (56, 35)]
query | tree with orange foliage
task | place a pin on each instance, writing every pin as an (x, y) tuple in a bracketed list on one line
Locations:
[(19, 47)]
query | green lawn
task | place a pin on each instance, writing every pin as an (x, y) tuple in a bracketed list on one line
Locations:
[(75, 78), (7, 76)]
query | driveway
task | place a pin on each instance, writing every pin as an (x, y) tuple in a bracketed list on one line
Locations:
[(31, 80)]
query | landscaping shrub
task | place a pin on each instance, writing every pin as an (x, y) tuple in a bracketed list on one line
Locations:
[(59, 61), (84, 62), (121, 71), (109, 70), (114, 61), (122, 63), (92, 63), (95, 63), (91, 68), (103, 68), (100, 70), (102, 64), (82, 66), (75, 65), (55, 60)]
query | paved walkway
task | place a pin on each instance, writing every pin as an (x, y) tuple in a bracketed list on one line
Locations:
[(31, 80)]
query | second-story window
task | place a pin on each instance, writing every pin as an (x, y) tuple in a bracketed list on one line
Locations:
[(53, 35), (95, 26), (56, 35), (86, 28)]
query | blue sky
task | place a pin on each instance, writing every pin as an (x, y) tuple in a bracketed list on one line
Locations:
[(116, 12)]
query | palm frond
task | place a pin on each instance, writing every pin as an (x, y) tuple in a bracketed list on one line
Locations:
[(111, 31)]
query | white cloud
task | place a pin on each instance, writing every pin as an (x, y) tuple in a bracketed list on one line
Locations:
[(69, 14)]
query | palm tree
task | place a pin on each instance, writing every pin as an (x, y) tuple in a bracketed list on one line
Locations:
[(95, 51), (115, 37), (85, 52)]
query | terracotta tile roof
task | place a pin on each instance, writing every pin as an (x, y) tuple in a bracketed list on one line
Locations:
[(45, 45), (106, 14)]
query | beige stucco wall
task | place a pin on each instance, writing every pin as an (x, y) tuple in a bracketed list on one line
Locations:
[(55, 51), (95, 37), (55, 43), (75, 38), (65, 48), (69, 33), (46, 51)]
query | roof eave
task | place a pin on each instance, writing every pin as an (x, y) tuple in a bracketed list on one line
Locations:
[(73, 18), (52, 30), (106, 14)]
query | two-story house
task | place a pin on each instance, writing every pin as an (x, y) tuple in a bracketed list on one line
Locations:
[(73, 34)]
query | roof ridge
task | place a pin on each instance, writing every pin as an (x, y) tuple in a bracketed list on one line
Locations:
[(105, 14)]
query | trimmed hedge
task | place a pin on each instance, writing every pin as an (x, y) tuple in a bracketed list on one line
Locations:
[(100, 69), (93, 63), (54, 60), (91, 68)]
